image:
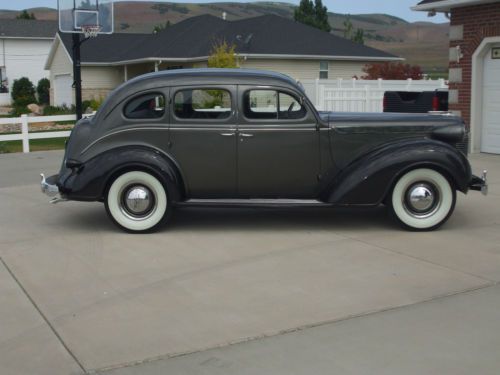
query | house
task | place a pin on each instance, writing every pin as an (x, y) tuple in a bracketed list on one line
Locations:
[(474, 66), (24, 47), (265, 42)]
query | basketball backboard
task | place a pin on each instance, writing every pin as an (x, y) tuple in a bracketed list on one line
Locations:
[(75, 16)]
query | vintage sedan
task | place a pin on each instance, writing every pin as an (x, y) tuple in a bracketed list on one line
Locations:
[(237, 137)]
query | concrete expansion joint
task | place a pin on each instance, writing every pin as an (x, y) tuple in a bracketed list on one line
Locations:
[(104, 370), (40, 312)]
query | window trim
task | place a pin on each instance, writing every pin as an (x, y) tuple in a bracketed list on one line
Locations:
[(277, 119), (177, 89), (137, 96)]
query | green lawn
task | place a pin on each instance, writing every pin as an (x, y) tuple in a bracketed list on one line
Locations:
[(35, 145)]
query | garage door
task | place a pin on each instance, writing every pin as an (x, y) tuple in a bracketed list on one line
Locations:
[(63, 92), (490, 140)]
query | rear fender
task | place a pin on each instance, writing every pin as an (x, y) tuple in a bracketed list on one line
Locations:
[(90, 180), (368, 180)]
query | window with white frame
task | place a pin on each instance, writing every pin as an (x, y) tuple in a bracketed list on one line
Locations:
[(323, 69)]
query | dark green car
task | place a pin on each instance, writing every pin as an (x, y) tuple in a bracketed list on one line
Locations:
[(245, 137)]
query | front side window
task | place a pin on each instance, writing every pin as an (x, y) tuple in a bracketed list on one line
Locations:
[(147, 106), (202, 104), (270, 104), (323, 70)]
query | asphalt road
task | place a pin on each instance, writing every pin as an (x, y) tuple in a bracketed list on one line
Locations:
[(241, 291)]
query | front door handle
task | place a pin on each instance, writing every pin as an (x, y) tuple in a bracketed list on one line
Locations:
[(227, 134), (246, 135)]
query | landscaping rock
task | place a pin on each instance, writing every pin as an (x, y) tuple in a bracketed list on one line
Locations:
[(35, 109)]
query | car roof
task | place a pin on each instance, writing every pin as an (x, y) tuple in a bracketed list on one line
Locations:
[(195, 77), (215, 76)]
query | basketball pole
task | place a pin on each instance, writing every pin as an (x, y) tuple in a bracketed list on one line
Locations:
[(77, 74)]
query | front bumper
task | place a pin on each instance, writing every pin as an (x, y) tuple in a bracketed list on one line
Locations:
[(49, 187), (480, 183)]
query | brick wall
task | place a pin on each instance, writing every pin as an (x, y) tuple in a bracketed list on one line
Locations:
[(478, 22)]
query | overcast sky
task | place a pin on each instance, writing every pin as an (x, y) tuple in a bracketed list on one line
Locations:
[(399, 8)]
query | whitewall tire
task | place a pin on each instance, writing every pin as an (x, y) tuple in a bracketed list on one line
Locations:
[(422, 199), (137, 202)]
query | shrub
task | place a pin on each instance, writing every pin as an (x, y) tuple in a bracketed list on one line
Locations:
[(23, 92), (55, 111), (18, 110), (94, 104), (43, 91)]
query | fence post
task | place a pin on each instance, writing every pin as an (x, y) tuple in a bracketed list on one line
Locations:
[(380, 83), (25, 133)]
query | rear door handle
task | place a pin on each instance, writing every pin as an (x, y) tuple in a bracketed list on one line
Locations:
[(246, 135), (227, 134)]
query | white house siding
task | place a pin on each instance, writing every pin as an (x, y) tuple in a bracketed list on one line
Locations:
[(307, 69), (61, 65), (24, 58), (97, 81)]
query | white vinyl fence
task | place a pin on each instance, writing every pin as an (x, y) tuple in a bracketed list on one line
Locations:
[(25, 135), (356, 95)]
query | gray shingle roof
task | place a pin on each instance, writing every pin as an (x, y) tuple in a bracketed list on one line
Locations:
[(194, 38), (27, 28), (429, 1)]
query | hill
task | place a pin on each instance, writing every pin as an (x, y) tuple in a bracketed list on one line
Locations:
[(422, 43)]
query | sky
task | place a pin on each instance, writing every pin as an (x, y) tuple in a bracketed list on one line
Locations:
[(398, 8)]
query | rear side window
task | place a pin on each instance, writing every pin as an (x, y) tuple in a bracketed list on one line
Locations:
[(202, 104), (147, 106), (270, 104)]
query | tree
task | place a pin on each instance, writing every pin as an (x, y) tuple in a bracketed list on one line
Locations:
[(23, 92), (357, 36), (161, 27), (223, 55), (388, 70), (312, 14), (24, 15), (43, 91)]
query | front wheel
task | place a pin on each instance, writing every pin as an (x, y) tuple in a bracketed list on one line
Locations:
[(137, 202), (422, 199)]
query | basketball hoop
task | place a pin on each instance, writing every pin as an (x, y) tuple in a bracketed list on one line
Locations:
[(90, 31)]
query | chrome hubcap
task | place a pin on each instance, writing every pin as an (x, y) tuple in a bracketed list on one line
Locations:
[(137, 201), (421, 199)]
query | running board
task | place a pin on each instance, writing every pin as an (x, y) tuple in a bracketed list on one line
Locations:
[(254, 203)]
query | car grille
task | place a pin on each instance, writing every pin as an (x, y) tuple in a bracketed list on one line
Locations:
[(464, 145)]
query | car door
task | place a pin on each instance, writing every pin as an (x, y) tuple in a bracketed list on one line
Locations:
[(278, 144), (203, 139)]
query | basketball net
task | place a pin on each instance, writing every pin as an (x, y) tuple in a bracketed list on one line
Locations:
[(90, 31)]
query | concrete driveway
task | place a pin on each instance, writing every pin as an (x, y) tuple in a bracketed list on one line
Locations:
[(244, 291)]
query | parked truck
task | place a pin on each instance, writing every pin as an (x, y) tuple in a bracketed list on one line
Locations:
[(416, 102)]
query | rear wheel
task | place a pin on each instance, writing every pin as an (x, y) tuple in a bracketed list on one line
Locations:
[(137, 202), (422, 199)]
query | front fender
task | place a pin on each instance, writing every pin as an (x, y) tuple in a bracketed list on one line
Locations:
[(88, 181), (368, 180)]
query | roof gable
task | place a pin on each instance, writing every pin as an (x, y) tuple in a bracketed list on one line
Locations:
[(193, 39)]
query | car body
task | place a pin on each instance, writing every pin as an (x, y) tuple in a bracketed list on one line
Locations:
[(236, 137)]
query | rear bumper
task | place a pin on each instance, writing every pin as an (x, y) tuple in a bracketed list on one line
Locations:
[(480, 183), (49, 187)]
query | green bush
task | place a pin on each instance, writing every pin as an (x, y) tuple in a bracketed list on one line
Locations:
[(43, 91), (23, 92), (95, 104), (18, 110), (55, 111)]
